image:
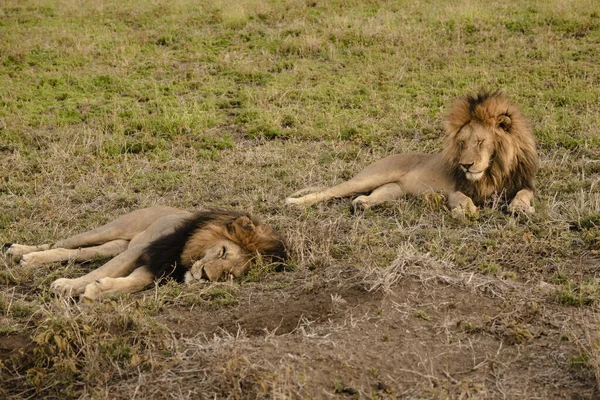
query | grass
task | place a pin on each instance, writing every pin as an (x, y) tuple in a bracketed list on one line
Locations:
[(107, 107)]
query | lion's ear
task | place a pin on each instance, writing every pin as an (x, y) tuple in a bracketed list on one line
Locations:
[(504, 122), (245, 223)]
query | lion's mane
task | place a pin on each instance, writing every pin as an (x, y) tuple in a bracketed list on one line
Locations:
[(166, 256), (514, 163)]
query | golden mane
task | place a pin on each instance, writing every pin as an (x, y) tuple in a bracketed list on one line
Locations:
[(514, 163), (241, 228)]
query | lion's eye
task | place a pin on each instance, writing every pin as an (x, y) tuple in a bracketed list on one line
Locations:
[(480, 142), (223, 252), (461, 144)]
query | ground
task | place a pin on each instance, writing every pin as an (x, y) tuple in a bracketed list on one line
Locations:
[(108, 107)]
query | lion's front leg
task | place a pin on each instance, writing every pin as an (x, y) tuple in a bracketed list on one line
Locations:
[(461, 205), (135, 282), (119, 266), (522, 202)]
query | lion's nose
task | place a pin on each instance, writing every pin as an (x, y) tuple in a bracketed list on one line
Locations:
[(199, 275), (204, 275), (467, 166)]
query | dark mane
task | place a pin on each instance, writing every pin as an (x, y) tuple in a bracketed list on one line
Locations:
[(163, 255), (276, 250)]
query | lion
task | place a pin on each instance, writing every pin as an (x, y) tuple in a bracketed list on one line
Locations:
[(489, 150), (154, 243)]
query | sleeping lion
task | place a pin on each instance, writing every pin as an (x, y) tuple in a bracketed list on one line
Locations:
[(158, 242), (489, 150)]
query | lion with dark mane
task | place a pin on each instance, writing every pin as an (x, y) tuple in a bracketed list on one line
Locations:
[(489, 151), (155, 243)]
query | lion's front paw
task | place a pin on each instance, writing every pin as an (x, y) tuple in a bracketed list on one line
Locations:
[(92, 292), (465, 209), (520, 207), (361, 203), (64, 286), (32, 259)]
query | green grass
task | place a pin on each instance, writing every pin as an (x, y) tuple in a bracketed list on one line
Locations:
[(107, 107)]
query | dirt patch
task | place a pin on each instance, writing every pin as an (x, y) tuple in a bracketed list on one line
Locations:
[(14, 343), (14, 347), (262, 312), (424, 337)]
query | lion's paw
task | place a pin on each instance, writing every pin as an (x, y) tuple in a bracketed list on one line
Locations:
[(465, 210), (64, 286), (92, 292), (189, 279), (520, 207), (458, 213), (18, 250), (360, 204), (14, 249), (32, 259)]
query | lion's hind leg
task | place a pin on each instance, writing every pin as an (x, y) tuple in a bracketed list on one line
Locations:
[(388, 170), (138, 280), (387, 192), (305, 191), (124, 227), (345, 189), (103, 234), (18, 250), (109, 249)]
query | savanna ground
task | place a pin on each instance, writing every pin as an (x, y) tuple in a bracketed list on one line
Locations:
[(110, 106)]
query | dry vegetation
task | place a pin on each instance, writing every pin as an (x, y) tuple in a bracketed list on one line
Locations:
[(110, 106)]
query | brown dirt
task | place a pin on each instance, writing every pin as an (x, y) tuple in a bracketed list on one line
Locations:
[(13, 343), (260, 313), (425, 337)]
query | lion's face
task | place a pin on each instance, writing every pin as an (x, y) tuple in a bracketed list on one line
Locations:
[(224, 256), (475, 144), (489, 146)]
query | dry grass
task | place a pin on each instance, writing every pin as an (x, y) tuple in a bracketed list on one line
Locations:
[(109, 107)]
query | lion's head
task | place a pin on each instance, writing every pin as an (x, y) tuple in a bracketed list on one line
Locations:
[(227, 242), (211, 243), (222, 257), (489, 147)]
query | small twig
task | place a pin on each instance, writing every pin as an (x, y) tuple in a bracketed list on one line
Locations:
[(447, 375)]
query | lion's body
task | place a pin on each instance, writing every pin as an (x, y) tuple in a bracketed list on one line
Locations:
[(158, 242), (489, 150)]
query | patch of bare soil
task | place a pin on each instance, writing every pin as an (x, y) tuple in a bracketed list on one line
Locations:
[(15, 345), (430, 334), (262, 312)]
